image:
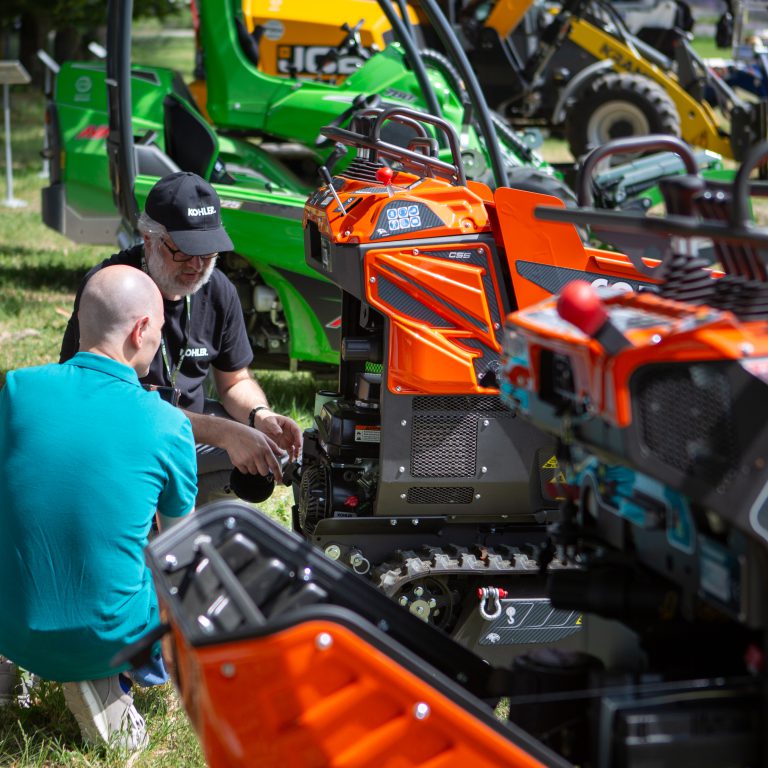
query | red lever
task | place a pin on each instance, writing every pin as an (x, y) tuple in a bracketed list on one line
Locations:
[(384, 175), (579, 305)]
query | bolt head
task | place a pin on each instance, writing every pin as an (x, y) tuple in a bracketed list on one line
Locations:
[(421, 711), (333, 551), (323, 641), (418, 591), (227, 670), (371, 279)]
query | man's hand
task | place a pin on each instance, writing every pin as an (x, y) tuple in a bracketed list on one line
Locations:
[(282, 429), (250, 450)]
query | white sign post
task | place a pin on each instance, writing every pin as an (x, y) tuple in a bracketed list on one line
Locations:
[(11, 73)]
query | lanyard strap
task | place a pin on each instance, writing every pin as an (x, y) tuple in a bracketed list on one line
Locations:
[(173, 373)]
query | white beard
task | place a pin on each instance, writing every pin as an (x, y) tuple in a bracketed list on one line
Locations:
[(164, 276)]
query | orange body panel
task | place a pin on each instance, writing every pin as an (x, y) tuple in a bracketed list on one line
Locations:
[(682, 333), (461, 211), (422, 357), (446, 310), (526, 238), (317, 695)]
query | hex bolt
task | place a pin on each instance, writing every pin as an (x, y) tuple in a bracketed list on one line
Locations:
[(403, 495), (401, 470), (398, 389), (371, 279), (432, 602), (415, 521), (421, 711), (418, 591), (393, 522), (333, 551), (403, 601), (403, 423), (230, 523), (415, 251), (323, 641), (483, 470), (227, 670), (477, 496), (486, 423), (170, 561)]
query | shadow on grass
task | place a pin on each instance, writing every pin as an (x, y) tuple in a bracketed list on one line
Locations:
[(56, 277)]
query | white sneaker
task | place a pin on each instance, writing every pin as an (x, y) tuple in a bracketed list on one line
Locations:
[(105, 714)]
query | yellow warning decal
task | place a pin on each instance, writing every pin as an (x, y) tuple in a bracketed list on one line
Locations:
[(551, 464)]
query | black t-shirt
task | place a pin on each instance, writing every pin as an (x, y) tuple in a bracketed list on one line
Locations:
[(216, 333)]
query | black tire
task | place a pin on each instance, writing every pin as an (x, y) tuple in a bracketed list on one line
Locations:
[(618, 105), (532, 180)]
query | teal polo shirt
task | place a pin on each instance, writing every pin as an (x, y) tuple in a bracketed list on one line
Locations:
[(86, 458)]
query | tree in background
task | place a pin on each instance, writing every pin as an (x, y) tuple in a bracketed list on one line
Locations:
[(25, 27)]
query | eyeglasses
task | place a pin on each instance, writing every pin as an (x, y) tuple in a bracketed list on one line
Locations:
[(179, 255)]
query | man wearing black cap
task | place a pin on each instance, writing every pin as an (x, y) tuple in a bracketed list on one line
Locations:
[(204, 330)]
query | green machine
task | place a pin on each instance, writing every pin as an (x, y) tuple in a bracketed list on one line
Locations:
[(112, 132)]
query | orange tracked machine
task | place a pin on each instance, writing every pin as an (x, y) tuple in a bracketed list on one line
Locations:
[(415, 475)]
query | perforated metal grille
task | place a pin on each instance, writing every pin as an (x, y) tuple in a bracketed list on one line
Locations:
[(472, 404), (422, 495), (444, 436), (685, 416)]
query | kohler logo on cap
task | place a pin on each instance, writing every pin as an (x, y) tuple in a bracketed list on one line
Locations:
[(205, 210)]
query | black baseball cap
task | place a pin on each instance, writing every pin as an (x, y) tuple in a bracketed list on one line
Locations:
[(189, 208)]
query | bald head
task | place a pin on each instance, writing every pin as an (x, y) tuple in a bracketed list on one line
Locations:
[(117, 303)]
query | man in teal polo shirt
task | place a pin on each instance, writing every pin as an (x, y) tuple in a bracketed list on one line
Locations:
[(87, 457)]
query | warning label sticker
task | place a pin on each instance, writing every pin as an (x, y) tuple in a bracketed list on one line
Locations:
[(367, 434)]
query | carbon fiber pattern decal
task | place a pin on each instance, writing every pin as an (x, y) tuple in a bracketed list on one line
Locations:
[(554, 279), (530, 620), (478, 257), (405, 217), (402, 302), (455, 309), (489, 360)]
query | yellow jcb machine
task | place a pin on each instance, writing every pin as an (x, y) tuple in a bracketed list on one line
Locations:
[(580, 69), (577, 69)]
